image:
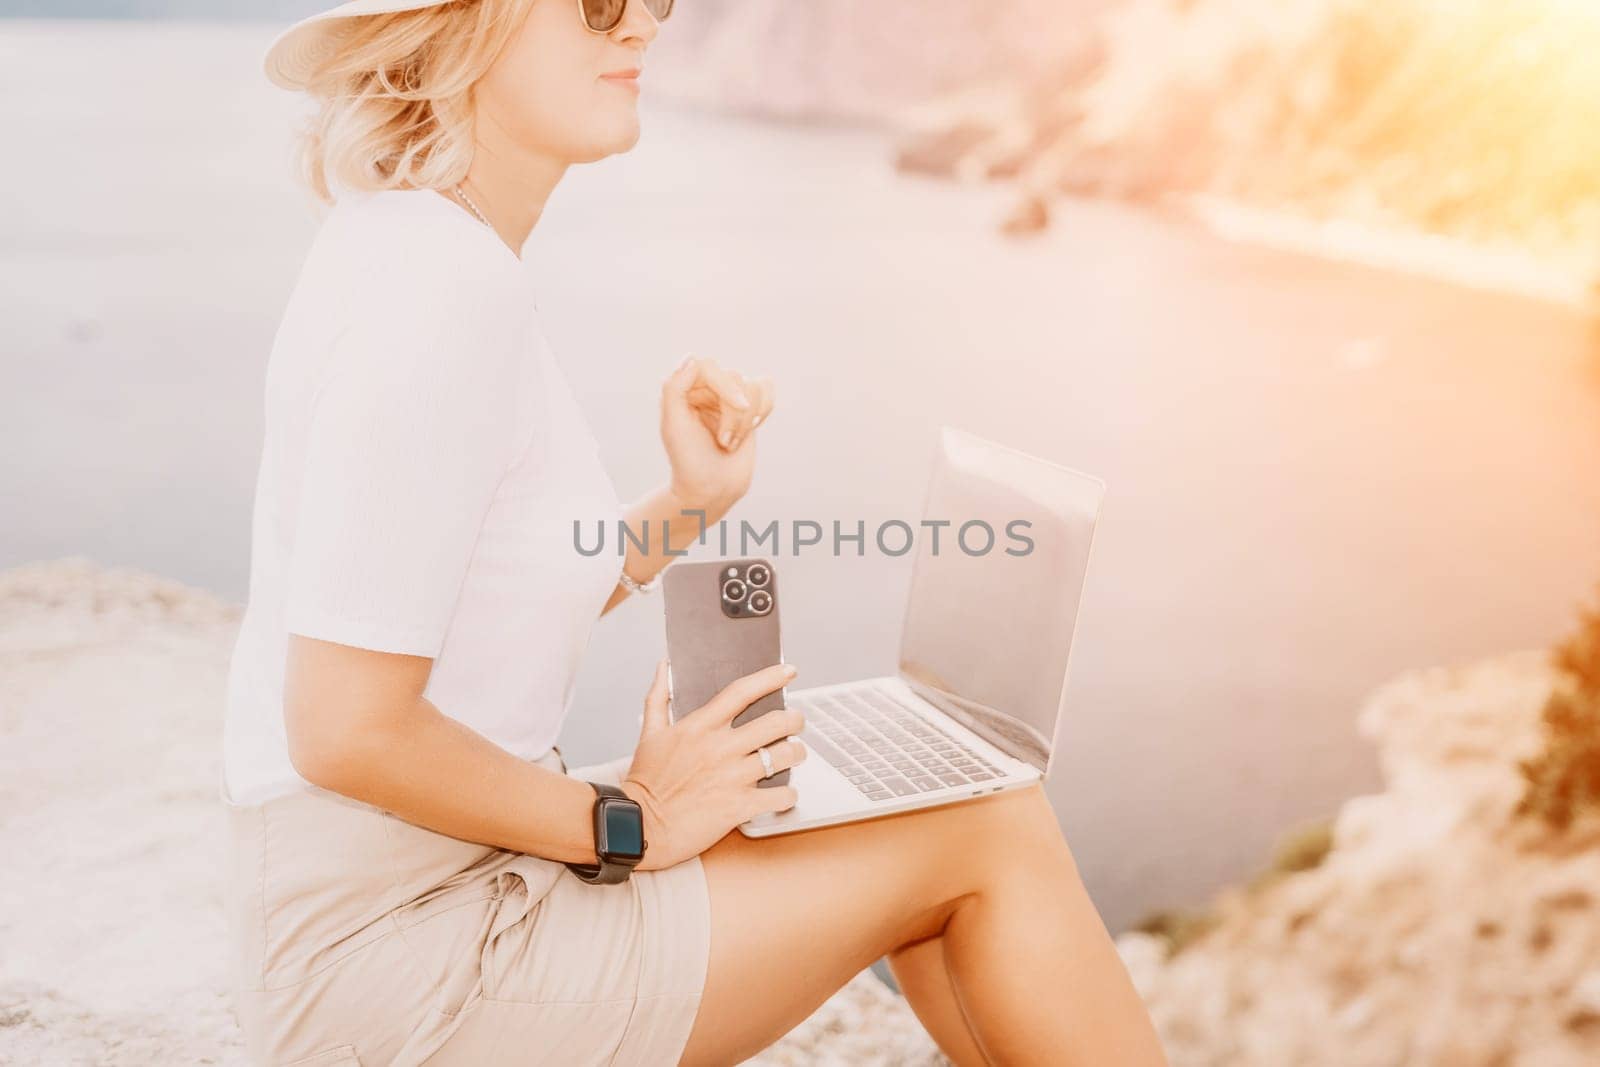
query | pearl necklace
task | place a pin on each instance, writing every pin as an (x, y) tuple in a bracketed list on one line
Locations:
[(467, 200)]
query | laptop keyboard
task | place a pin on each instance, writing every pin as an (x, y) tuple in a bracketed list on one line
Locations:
[(884, 748)]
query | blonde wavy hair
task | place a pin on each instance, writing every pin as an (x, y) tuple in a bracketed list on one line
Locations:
[(395, 97)]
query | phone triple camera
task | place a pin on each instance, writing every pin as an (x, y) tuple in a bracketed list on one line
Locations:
[(746, 590)]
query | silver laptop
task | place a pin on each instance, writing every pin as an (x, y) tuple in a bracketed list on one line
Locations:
[(975, 706)]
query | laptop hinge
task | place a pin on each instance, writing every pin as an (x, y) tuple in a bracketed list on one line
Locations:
[(981, 720)]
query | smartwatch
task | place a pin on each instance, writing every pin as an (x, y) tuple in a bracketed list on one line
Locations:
[(618, 837)]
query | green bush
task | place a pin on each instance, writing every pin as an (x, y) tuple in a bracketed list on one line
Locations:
[(1563, 780), (1303, 848), (1179, 928), (1300, 849)]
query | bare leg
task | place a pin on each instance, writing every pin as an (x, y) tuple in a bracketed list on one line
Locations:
[(923, 977), (1030, 966)]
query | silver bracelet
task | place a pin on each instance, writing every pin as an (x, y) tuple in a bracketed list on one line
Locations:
[(634, 587)]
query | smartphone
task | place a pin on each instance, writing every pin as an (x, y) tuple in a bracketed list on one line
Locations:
[(722, 623)]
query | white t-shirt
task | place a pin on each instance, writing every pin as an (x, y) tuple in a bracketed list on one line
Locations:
[(423, 464)]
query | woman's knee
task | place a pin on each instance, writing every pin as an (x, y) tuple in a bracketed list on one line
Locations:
[(997, 823), (927, 859)]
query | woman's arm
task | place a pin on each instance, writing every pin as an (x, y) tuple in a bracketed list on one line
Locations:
[(708, 421), (357, 724), (668, 524)]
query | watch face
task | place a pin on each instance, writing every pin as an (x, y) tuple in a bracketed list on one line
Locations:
[(624, 829)]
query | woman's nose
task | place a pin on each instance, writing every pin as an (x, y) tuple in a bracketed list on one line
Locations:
[(637, 24)]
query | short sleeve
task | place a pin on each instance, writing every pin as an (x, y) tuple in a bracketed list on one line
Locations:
[(413, 427)]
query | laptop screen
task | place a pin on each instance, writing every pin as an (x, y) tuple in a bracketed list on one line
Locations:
[(995, 590)]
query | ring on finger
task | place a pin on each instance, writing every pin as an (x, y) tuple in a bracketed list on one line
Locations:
[(766, 761)]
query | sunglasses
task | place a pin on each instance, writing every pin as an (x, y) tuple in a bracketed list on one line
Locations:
[(602, 16)]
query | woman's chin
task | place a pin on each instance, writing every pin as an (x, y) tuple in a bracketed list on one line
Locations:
[(613, 137)]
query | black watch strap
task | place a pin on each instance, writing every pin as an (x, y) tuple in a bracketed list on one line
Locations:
[(607, 871)]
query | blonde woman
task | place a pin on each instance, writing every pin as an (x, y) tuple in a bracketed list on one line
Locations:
[(415, 874)]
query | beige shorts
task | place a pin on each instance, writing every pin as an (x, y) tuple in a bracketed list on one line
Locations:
[(360, 938)]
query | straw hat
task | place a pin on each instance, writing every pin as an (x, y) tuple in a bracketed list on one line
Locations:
[(297, 51)]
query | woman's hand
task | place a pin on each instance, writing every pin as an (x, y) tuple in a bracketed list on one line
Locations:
[(696, 778), (708, 421)]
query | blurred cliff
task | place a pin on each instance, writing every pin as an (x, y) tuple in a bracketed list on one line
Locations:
[(839, 59), (1477, 120), (1454, 918)]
